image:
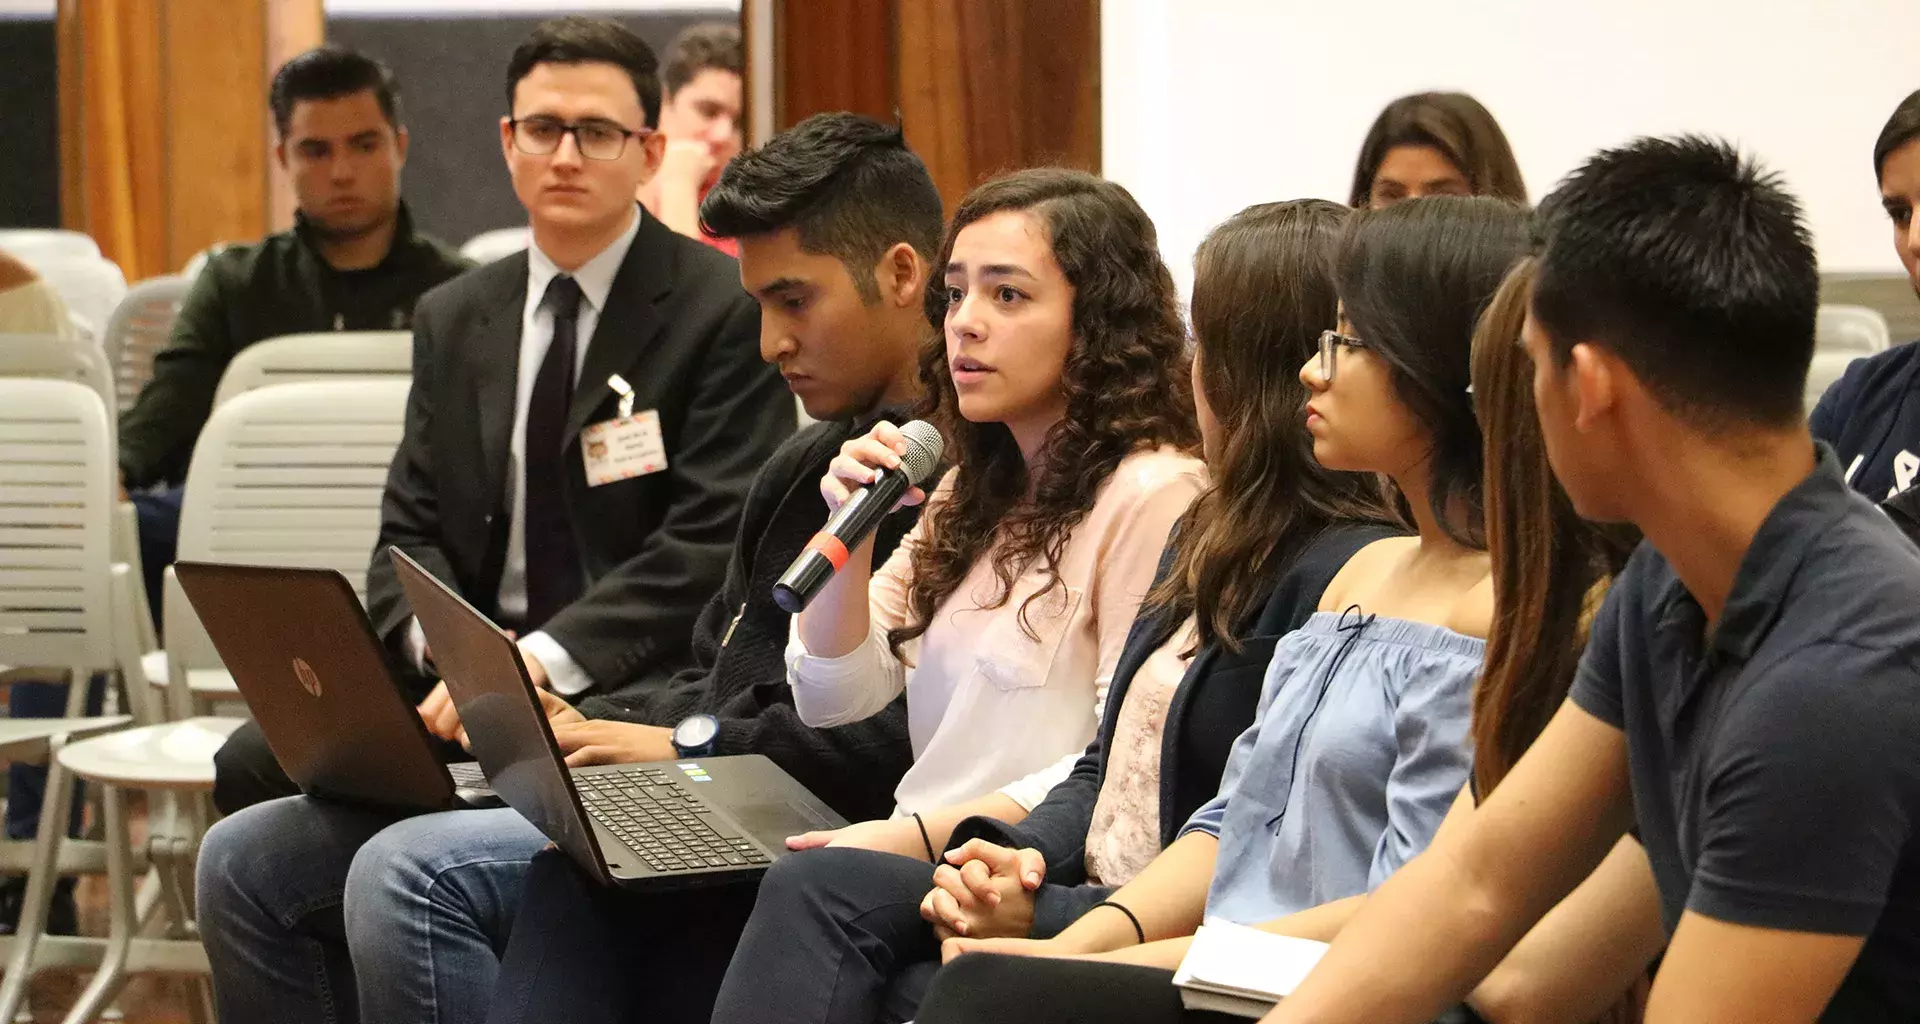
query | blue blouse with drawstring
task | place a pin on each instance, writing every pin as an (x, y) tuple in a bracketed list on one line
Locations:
[(1360, 746)]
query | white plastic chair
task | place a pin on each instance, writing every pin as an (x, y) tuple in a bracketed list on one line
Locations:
[(292, 475), (62, 603), (282, 475), (198, 261), (138, 330), (1841, 335), (32, 244), (90, 286), (330, 355), (1858, 329), (81, 361), (56, 472), (47, 357), (497, 244)]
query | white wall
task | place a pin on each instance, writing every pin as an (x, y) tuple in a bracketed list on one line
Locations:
[(1212, 105)]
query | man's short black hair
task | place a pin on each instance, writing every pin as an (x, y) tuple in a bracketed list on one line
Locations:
[(329, 72), (1903, 127), (1693, 265), (707, 46), (577, 40), (848, 184)]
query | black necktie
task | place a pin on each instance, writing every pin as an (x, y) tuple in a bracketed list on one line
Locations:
[(553, 564)]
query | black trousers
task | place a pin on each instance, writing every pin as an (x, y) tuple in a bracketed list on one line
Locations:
[(835, 938), (989, 989), (245, 772), (584, 954)]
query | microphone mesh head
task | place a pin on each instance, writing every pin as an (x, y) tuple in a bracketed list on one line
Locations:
[(924, 445)]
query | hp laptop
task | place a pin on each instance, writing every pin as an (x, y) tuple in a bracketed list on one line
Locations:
[(304, 656), (656, 825)]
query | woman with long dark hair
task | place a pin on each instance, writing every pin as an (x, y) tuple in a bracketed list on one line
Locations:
[(1361, 740), (1059, 378), (1061, 385), (844, 929), (1550, 570), (1434, 144)]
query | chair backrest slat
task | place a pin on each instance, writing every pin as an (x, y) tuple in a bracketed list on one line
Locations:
[(141, 326), (332, 355), (254, 497), (52, 358), (56, 499), (497, 244)]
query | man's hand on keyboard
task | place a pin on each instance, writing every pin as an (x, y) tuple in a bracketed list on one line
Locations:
[(597, 741)]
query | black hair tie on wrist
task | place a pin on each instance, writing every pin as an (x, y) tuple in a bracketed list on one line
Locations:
[(931, 858), (1138, 932)]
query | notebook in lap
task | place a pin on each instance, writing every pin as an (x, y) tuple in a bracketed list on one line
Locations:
[(305, 658), (655, 825)]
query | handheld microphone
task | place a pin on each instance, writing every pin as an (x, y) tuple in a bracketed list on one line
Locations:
[(827, 551)]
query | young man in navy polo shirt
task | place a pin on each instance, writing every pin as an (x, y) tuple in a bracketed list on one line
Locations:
[(1750, 697)]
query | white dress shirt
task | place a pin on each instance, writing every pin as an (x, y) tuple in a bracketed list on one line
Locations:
[(595, 278)]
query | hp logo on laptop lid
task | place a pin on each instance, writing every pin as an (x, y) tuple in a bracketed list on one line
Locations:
[(309, 679)]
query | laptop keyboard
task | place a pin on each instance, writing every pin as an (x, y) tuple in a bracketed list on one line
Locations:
[(661, 822), (467, 775)]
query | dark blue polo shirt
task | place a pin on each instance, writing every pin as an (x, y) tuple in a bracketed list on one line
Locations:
[(1776, 763)]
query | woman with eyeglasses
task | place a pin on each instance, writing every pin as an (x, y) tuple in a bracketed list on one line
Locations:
[(1361, 740)]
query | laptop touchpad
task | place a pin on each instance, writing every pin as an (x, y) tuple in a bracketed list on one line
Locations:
[(773, 821)]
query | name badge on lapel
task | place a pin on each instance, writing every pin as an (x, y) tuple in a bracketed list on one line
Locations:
[(627, 446)]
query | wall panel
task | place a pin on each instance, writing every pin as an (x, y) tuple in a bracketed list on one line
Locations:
[(980, 85)]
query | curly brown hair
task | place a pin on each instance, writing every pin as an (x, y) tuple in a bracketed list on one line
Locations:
[(1126, 382)]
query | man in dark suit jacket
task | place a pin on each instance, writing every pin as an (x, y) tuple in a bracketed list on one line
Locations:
[(610, 327), (652, 548), (301, 900)]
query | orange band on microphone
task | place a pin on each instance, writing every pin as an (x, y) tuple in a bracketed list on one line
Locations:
[(831, 548)]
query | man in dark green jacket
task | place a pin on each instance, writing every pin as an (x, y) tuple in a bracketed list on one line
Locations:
[(351, 263)]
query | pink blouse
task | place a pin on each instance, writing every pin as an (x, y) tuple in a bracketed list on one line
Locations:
[(1125, 832), (990, 706)]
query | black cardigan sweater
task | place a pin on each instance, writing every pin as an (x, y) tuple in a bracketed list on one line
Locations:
[(1213, 705)]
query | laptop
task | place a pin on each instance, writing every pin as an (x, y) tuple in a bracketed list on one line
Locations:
[(305, 658), (654, 825)]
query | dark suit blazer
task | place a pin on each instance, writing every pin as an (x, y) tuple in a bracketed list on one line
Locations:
[(680, 330)]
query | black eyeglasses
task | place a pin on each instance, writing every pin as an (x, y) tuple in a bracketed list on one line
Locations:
[(1331, 342), (597, 140)]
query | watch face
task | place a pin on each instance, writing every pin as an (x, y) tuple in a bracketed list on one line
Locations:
[(696, 731)]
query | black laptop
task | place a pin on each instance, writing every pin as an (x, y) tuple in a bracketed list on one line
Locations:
[(664, 824), (305, 658)]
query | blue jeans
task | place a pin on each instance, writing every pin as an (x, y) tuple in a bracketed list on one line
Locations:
[(27, 782), (158, 514), (314, 911)]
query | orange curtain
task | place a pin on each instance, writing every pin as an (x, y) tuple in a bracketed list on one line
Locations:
[(113, 129)]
